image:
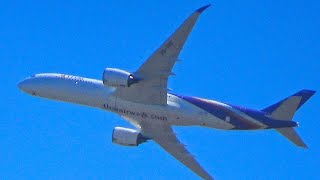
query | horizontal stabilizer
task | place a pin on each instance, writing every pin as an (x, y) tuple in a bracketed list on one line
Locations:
[(284, 110), (293, 136)]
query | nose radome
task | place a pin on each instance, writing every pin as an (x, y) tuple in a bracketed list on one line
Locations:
[(21, 85), (26, 85)]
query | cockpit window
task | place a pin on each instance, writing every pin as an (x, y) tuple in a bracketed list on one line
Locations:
[(34, 75)]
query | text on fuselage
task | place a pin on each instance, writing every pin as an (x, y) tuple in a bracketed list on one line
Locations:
[(134, 113)]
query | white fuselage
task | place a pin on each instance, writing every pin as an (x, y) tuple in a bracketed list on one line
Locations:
[(94, 93)]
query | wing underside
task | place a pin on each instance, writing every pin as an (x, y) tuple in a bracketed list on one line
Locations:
[(162, 133), (152, 89), (155, 71)]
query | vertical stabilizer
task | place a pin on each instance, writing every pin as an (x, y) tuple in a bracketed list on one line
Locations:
[(284, 110)]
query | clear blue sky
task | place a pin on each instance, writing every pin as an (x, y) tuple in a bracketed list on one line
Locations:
[(241, 52)]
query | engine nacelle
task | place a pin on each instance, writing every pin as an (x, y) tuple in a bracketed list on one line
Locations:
[(127, 137), (118, 78)]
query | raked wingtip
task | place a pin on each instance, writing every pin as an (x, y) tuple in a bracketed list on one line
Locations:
[(200, 10)]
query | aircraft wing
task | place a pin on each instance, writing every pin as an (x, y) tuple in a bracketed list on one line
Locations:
[(155, 71), (162, 133)]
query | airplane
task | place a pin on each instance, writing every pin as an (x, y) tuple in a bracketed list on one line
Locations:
[(143, 99)]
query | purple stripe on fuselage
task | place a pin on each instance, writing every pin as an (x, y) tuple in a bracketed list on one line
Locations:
[(222, 112), (236, 119), (262, 117)]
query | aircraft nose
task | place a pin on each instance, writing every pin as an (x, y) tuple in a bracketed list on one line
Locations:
[(26, 85), (21, 85)]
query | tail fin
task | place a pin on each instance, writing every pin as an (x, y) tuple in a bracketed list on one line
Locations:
[(285, 110)]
